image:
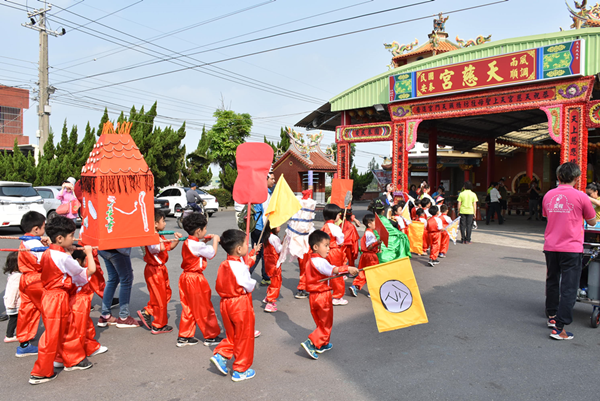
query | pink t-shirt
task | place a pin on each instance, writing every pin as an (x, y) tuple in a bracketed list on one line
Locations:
[(566, 208)]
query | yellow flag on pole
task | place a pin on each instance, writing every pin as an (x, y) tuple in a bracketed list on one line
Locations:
[(453, 229), (405, 214), (395, 295), (283, 204)]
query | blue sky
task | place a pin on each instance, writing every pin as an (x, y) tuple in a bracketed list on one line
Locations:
[(309, 74)]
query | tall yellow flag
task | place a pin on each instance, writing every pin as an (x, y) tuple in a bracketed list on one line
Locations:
[(395, 295), (283, 204), (405, 213)]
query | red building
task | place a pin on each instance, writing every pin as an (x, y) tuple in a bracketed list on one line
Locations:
[(303, 158), (12, 103)]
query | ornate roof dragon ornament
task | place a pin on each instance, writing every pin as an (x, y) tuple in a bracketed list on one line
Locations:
[(478, 41), (396, 49), (584, 18)]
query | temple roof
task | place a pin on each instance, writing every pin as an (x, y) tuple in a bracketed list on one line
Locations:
[(443, 46), (308, 152)]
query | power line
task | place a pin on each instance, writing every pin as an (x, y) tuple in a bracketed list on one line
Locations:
[(259, 39), (296, 44)]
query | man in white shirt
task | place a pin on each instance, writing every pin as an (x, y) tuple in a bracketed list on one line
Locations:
[(495, 206)]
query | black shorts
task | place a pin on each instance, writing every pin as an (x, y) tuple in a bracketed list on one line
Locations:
[(503, 204)]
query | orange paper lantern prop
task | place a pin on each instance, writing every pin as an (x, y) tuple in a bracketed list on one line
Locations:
[(339, 189), (117, 187)]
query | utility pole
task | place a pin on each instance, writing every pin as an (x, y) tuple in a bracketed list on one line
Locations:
[(44, 88)]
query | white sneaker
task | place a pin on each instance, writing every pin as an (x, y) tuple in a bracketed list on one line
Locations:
[(100, 350), (59, 365), (340, 302)]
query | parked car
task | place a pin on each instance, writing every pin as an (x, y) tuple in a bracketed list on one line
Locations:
[(49, 194), (162, 205), (16, 199), (177, 200)]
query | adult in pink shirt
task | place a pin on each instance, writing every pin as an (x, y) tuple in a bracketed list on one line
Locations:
[(565, 208)]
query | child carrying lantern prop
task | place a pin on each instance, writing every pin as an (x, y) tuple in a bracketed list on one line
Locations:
[(117, 189), (253, 162), (299, 227)]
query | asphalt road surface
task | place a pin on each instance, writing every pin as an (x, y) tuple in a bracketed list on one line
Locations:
[(486, 340)]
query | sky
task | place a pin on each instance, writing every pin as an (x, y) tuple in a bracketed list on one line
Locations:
[(117, 54)]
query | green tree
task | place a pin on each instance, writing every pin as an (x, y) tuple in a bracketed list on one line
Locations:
[(373, 165), (361, 182), (230, 130), (196, 166), (228, 177), (282, 145)]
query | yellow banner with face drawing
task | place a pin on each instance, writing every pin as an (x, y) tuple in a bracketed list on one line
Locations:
[(395, 295)]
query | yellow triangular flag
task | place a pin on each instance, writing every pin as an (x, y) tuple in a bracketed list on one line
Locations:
[(395, 295), (405, 213), (283, 204)]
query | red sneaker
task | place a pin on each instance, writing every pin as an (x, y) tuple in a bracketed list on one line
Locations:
[(128, 323)]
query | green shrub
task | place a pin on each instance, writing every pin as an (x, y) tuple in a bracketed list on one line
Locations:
[(223, 196), (327, 193)]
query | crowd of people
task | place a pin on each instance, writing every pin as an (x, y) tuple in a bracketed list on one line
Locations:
[(55, 278)]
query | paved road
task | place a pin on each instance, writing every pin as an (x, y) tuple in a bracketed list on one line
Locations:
[(486, 340)]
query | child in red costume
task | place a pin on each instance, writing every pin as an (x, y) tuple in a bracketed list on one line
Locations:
[(81, 303), (271, 254), (351, 237), (157, 280), (194, 291), (336, 257), (30, 285), (61, 275), (434, 229), (446, 220), (235, 286), (321, 303), (369, 244)]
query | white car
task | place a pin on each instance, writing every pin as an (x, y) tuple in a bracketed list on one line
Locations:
[(16, 199), (176, 197), (49, 195)]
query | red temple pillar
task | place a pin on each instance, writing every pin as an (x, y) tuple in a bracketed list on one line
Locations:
[(467, 175), (399, 157), (491, 161), (343, 151), (530, 163), (575, 140), (432, 162)]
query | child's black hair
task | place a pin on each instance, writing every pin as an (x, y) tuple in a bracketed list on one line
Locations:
[(194, 221), (316, 237), (331, 211), (395, 209), (443, 208), (376, 206), (32, 219), (419, 212), (12, 263), (425, 202), (402, 203), (60, 225), (433, 210), (79, 255), (158, 215), (231, 239), (368, 219)]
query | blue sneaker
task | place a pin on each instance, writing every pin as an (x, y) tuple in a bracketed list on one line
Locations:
[(353, 290), (27, 351), (220, 363), (310, 349), (238, 377), (324, 348)]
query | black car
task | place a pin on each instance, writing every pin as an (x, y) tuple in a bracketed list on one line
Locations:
[(163, 205)]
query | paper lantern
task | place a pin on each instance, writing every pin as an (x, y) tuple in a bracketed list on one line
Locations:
[(117, 193)]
